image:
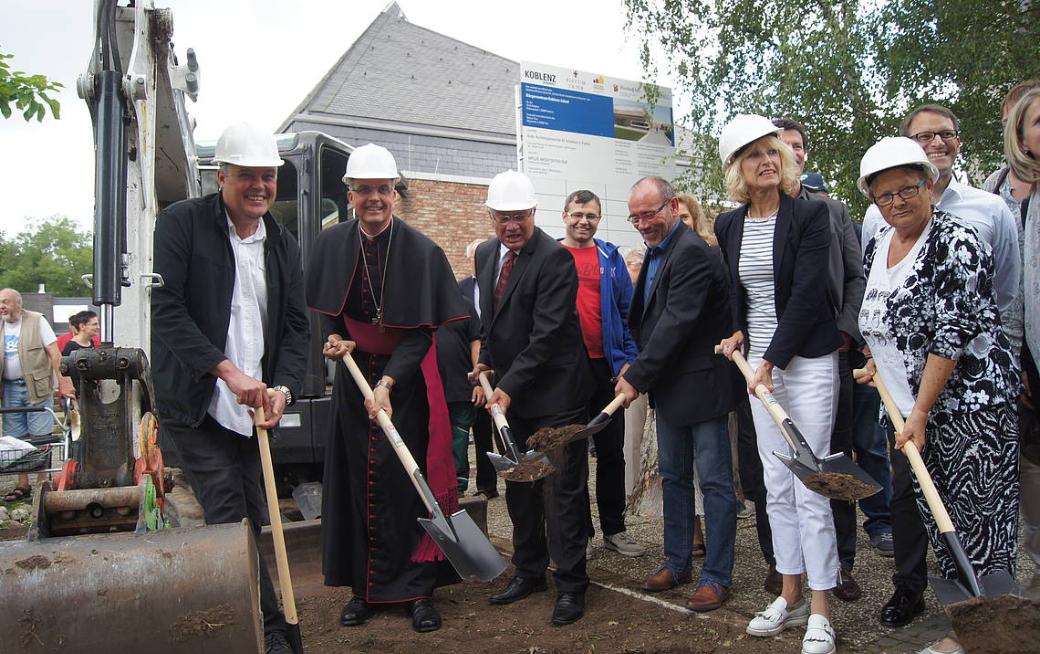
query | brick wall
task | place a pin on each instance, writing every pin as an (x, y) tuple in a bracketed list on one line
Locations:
[(450, 213)]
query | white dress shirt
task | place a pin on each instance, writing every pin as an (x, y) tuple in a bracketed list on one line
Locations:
[(991, 219), (245, 342)]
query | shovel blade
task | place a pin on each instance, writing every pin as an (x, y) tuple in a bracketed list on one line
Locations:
[(595, 426), (465, 546), (949, 591), (501, 463)]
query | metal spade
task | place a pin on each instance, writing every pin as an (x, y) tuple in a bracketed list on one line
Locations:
[(512, 464)]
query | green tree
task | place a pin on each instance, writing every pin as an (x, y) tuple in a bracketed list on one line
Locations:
[(29, 93), (848, 70), (53, 252)]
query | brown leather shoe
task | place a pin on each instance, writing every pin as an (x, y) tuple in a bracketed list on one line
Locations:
[(708, 596), (664, 579), (774, 583), (847, 589)]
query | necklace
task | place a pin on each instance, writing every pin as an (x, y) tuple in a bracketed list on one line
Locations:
[(378, 319)]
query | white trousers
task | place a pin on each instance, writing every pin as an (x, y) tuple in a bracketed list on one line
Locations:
[(803, 528)]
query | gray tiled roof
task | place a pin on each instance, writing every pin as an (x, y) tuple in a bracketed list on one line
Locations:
[(403, 76)]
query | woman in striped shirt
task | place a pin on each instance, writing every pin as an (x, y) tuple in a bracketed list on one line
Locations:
[(776, 250)]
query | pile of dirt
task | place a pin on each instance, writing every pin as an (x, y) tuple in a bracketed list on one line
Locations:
[(997, 625), (553, 438), (839, 486)]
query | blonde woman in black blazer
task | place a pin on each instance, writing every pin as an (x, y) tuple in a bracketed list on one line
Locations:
[(776, 252)]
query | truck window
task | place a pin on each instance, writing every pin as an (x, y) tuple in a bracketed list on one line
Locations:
[(333, 205)]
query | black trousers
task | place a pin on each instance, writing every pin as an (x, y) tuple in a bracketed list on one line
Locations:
[(224, 471), (749, 465), (610, 456), (842, 441), (549, 514), (487, 478), (909, 538)]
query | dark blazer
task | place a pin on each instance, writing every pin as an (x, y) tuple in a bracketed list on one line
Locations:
[(192, 310), (677, 329), (533, 341), (806, 325), (466, 288)]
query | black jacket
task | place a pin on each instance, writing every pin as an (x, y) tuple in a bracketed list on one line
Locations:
[(684, 318), (533, 341), (801, 246), (192, 310)]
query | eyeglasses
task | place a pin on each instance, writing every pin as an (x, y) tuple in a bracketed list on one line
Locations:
[(926, 137), (647, 215), (503, 218), (577, 216), (384, 189), (907, 193)]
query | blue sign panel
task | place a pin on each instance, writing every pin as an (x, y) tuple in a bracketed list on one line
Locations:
[(567, 111)]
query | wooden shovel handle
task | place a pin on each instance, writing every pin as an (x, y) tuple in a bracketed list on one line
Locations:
[(277, 536), (776, 412), (615, 404), (496, 411), (931, 495), (396, 442)]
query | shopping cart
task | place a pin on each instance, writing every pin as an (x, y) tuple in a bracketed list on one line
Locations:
[(44, 454)]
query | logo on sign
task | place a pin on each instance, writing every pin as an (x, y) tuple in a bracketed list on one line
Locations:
[(540, 76)]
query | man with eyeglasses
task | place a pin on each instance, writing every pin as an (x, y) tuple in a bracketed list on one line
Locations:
[(381, 288), (604, 296), (680, 310), (533, 343), (937, 130)]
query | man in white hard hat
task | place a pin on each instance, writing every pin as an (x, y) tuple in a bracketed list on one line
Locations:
[(381, 288), (845, 293), (532, 341), (937, 130), (227, 324)]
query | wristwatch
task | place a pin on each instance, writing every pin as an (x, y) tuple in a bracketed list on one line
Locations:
[(287, 392)]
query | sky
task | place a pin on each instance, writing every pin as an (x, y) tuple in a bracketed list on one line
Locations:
[(257, 61)]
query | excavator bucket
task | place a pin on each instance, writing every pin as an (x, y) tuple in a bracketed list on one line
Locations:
[(191, 590)]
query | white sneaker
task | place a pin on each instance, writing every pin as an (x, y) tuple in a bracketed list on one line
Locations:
[(623, 544), (819, 636), (776, 618)]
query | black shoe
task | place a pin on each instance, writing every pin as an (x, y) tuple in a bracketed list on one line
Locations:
[(275, 642), (848, 589), (902, 608), (519, 588), (490, 493), (425, 617), (356, 612), (569, 608)]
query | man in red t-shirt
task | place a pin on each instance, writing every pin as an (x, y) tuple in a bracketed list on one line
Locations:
[(604, 295)]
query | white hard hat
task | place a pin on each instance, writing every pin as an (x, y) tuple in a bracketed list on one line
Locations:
[(892, 152), (742, 130), (370, 161), (511, 191), (243, 144)]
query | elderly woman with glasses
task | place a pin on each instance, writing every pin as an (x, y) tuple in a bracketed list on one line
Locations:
[(775, 248), (930, 320)]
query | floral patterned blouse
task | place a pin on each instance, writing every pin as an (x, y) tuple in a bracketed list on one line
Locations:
[(946, 307)]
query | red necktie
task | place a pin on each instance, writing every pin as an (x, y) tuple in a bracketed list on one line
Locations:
[(503, 277)]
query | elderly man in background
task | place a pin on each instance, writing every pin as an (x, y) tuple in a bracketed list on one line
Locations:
[(28, 368)]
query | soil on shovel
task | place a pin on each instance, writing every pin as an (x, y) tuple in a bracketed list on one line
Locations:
[(530, 471), (997, 625), (552, 438), (838, 486)]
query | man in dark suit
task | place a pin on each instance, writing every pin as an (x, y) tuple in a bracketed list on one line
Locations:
[(680, 310), (531, 339)]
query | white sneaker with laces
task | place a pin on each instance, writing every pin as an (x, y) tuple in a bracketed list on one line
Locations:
[(623, 544), (819, 636), (777, 617)]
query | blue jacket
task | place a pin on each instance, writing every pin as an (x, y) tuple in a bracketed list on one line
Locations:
[(614, 283)]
